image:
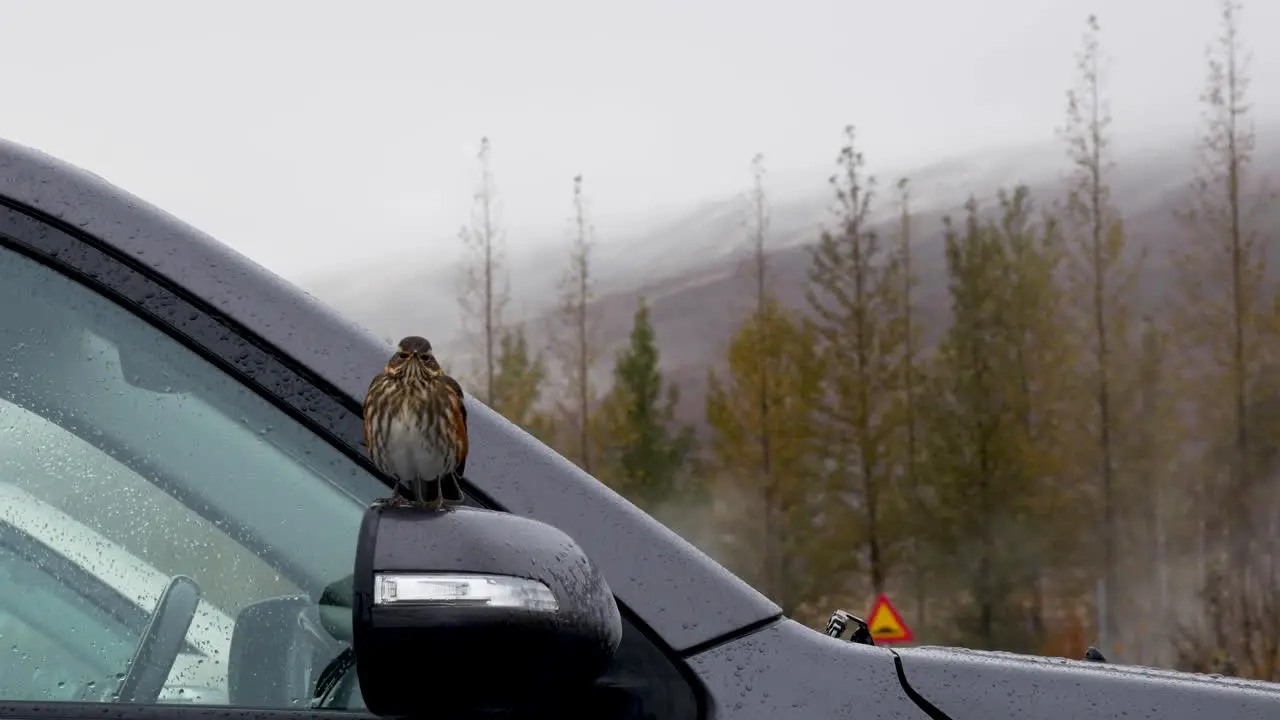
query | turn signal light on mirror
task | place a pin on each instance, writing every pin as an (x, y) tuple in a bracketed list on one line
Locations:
[(454, 590)]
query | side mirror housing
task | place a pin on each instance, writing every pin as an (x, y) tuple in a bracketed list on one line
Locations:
[(475, 609)]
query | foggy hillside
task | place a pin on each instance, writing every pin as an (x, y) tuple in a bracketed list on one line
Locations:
[(394, 296), (692, 267)]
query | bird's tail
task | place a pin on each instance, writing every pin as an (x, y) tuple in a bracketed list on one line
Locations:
[(452, 490)]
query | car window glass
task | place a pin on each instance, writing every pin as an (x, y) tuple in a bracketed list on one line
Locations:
[(184, 471), (42, 627)]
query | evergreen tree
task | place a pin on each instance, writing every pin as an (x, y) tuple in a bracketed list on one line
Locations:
[(1161, 504), (990, 415), (1103, 272), (645, 455), (1043, 379), (777, 526), (855, 294), (518, 382), (1227, 326), (909, 402), (1224, 320)]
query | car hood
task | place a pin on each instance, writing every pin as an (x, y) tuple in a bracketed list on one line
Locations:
[(965, 683)]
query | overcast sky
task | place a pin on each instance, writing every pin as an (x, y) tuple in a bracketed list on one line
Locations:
[(307, 133)]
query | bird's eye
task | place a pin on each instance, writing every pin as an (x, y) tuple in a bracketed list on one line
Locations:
[(402, 355)]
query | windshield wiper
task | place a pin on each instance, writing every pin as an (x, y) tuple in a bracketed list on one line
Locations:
[(335, 604), (331, 678)]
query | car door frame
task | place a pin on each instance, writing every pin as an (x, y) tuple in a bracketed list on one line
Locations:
[(245, 356)]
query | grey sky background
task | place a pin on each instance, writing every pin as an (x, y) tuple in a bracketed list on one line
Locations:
[(310, 134)]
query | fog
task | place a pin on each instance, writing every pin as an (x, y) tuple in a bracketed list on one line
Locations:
[(312, 137)]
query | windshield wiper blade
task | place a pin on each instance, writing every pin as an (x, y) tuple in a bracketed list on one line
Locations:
[(331, 677)]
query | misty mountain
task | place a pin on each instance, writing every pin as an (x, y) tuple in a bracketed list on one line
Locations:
[(691, 266), (411, 293)]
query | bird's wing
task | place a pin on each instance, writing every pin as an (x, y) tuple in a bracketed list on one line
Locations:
[(453, 385), (377, 379), (462, 410)]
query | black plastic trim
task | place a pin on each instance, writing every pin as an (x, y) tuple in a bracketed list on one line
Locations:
[(929, 708), (100, 711), (198, 326), (701, 699), (738, 634)]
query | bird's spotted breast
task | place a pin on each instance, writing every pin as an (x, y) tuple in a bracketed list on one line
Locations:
[(409, 452)]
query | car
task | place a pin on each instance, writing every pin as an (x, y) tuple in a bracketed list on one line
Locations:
[(39, 544), (208, 419)]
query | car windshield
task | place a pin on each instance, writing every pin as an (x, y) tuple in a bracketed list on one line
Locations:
[(162, 455)]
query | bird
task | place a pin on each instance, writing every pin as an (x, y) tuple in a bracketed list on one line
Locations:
[(415, 427)]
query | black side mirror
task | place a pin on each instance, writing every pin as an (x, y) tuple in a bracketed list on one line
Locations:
[(475, 609)]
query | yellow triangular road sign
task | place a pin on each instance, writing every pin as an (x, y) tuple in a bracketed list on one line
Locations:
[(886, 624)]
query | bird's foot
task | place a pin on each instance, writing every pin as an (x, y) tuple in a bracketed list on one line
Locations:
[(437, 504), (396, 500)]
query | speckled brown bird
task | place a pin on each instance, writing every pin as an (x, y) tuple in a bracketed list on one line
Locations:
[(415, 426)]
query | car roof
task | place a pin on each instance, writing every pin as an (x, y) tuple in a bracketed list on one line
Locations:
[(673, 588)]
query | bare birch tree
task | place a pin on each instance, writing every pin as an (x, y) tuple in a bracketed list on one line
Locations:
[(485, 289), (1102, 272), (574, 344)]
